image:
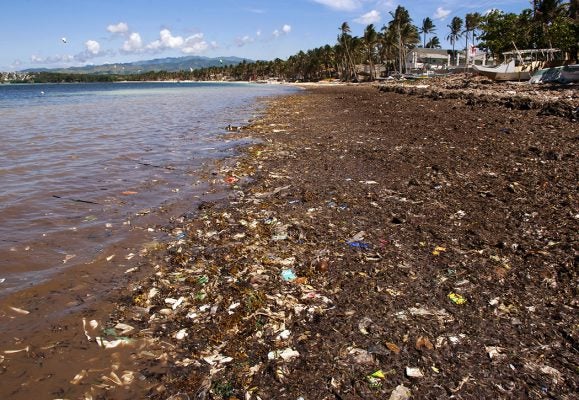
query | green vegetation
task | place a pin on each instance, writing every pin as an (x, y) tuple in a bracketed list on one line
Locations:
[(50, 77), (550, 23)]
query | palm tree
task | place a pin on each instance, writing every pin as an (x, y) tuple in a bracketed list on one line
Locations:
[(369, 40), (472, 21), (427, 28), (344, 40), (455, 33), (406, 33), (388, 46), (433, 43)]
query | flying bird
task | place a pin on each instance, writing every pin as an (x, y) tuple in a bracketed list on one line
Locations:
[(64, 40)]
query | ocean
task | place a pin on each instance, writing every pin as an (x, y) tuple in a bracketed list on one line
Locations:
[(82, 166)]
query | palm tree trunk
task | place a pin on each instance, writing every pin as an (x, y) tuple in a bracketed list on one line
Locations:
[(466, 51)]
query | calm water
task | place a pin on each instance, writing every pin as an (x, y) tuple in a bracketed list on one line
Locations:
[(78, 161)]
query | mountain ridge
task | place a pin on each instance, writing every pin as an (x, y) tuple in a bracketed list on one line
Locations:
[(169, 64)]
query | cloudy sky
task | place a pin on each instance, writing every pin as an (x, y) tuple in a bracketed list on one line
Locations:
[(55, 33)]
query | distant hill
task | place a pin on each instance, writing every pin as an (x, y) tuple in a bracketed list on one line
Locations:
[(170, 64)]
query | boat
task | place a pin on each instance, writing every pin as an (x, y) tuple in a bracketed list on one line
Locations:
[(562, 74), (519, 65)]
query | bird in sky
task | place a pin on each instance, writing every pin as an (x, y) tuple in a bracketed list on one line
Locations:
[(64, 40)]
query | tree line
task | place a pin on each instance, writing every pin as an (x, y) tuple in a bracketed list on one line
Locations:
[(548, 24)]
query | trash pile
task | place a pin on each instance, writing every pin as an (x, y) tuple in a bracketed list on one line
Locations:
[(558, 100), (374, 246)]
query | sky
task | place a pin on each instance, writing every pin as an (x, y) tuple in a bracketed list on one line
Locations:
[(65, 33)]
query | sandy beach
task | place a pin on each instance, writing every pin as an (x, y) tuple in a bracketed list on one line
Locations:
[(375, 244)]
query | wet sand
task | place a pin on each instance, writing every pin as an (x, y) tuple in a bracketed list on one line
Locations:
[(374, 242)]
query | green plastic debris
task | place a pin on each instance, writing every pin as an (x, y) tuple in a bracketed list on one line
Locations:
[(375, 379)]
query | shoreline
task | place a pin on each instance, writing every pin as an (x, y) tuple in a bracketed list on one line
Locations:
[(333, 256)]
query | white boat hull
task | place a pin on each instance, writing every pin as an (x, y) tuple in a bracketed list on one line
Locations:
[(508, 71)]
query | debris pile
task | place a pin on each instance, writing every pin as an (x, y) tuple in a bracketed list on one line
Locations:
[(376, 246), (477, 91)]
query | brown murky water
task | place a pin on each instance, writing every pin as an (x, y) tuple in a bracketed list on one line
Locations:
[(88, 174)]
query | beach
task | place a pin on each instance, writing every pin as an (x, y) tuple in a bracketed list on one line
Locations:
[(372, 244)]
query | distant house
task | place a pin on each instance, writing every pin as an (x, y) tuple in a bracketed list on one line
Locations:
[(425, 58), (363, 70), (436, 59)]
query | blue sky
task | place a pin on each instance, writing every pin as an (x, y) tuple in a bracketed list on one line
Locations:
[(56, 33)]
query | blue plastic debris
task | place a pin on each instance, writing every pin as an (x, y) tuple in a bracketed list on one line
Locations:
[(288, 275), (359, 244)]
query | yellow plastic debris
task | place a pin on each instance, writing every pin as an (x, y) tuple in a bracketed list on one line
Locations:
[(378, 374), (456, 298), (438, 249)]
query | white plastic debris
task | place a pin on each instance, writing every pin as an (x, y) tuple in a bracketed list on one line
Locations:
[(91, 324), (362, 357), (79, 377), (178, 302), (26, 349), (556, 375), (364, 324), (217, 359), (68, 257), (412, 372), (233, 307), (400, 393), (111, 344), (494, 352), (284, 335), (357, 237), (124, 328), (20, 311), (285, 354), (180, 335), (152, 293)]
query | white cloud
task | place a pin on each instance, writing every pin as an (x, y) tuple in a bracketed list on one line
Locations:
[(371, 17), (385, 4), (193, 44), (51, 60), (196, 44), (36, 59), (240, 42), (172, 42), (441, 13), (344, 5), (133, 44), (93, 47), (285, 29), (121, 28)]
